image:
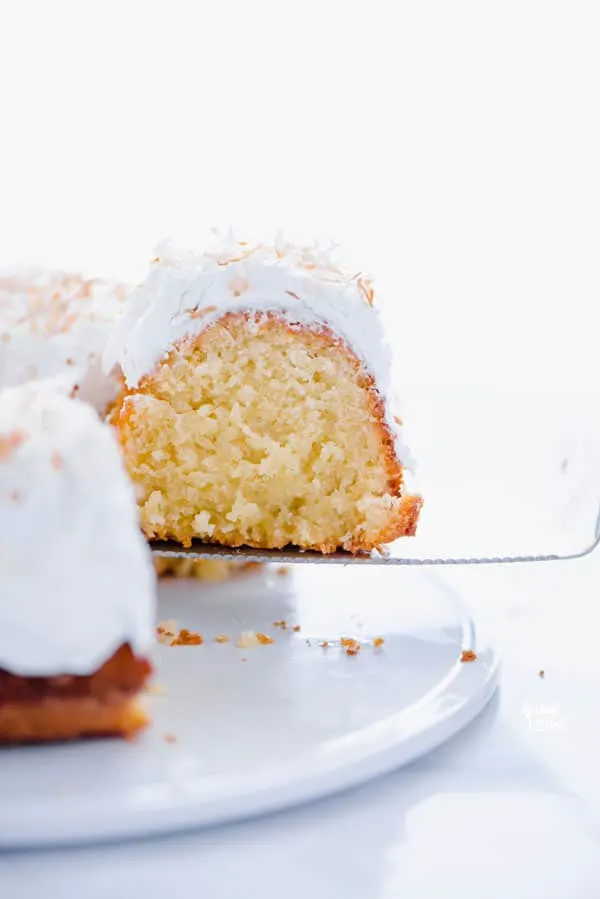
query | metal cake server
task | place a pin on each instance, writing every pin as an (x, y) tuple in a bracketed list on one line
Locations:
[(462, 519), (394, 554)]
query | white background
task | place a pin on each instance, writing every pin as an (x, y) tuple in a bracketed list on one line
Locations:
[(454, 148)]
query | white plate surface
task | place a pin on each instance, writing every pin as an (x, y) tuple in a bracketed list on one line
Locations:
[(267, 727)]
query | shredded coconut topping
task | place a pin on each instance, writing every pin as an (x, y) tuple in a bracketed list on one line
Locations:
[(54, 323)]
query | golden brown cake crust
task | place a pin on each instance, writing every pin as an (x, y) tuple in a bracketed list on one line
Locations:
[(402, 520), (68, 707), (55, 720)]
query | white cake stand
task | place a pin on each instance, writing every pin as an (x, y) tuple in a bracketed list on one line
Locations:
[(240, 732)]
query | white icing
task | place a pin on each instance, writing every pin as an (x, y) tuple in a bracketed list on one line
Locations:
[(185, 292), (53, 323), (75, 572)]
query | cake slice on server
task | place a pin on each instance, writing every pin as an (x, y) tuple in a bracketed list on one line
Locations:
[(77, 595), (254, 410)]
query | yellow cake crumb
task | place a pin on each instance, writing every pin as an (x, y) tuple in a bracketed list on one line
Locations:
[(253, 638), (187, 638), (350, 646), (261, 434)]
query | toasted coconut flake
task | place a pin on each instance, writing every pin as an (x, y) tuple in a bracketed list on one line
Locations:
[(366, 286), (264, 639), (10, 443), (200, 313)]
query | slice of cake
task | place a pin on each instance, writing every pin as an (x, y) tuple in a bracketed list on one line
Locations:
[(77, 594), (54, 323), (254, 411)]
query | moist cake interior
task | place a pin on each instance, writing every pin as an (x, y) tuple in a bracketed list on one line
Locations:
[(261, 433)]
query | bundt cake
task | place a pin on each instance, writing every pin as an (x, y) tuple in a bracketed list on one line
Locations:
[(254, 410), (77, 601)]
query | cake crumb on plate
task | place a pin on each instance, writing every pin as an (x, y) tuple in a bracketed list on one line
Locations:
[(253, 638), (350, 646), (264, 639), (187, 638)]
